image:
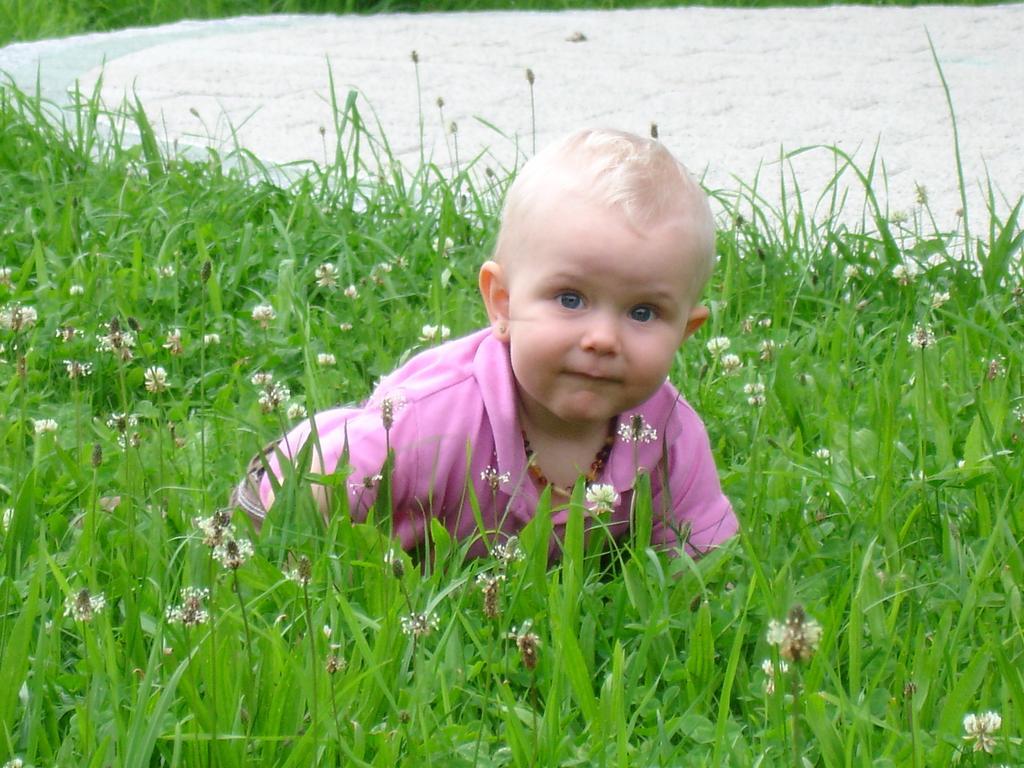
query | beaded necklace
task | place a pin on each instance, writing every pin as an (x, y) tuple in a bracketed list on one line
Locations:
[(600, 458)]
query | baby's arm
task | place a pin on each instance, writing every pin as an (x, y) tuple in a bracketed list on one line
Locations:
[(359, 430)]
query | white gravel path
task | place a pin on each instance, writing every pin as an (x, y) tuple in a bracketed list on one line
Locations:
[(730, 90)]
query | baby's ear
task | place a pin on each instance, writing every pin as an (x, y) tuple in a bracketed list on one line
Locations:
[(494, 292), (696, 319)]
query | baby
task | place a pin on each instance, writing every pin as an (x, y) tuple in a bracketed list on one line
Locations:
[(605, 245)]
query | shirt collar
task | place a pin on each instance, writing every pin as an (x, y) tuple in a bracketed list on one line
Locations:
[(493, 368), (639, 442)]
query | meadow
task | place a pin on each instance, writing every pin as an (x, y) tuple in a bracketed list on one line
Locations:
[(861, 384)]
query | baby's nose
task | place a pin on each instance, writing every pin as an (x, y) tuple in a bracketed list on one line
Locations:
[(601, 336)]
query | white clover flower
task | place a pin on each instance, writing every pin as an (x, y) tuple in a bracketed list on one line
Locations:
[(635, 429), (601, 497), (216, 528), (190, 613), (165, 270), (939, 298), (122, 422), (979, 729), (335, 663), (419, 625), (797, 637), (493, 478), (156, 379), (824, 454), (755, 392), (173, 343), (345, 327), (273, 397), (431, 332), (232, 553), (263, 314), (851, 272), (77, 370), (921, 337), (443, 248), (15, 762), (17, 317), (84, 606), (352, 292), (6, 279), (211, 339), (296, 411), (76, 289), (368, 483), (325, 359), (43, 426), (905, 273), (118, 342), (717, 345), (261, 379), (528, 644), (302, 573), (485, 579), (66, 333), (508, 551), (490, 585), (767, 350), (996, 368), (326, 275), (731, 363), (390, 404)]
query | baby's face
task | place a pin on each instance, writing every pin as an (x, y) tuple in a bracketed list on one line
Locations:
[(596, 311)]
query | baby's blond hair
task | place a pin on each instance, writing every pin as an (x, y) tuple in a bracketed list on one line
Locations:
[(614, 169)]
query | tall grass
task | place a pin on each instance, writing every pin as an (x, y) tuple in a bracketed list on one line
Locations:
[(878, 478)]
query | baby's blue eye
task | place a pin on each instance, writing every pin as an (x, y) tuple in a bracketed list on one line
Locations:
[(642, 314), (570, 300)]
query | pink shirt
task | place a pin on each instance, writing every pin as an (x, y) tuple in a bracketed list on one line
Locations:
[(454, 411)]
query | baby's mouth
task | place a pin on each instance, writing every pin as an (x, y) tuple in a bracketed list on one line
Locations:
[(595, 376)]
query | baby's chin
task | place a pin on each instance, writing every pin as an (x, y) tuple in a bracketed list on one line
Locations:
[(586, 409)]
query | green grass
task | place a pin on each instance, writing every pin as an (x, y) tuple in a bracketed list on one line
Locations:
[(27, 20), (904, 542)]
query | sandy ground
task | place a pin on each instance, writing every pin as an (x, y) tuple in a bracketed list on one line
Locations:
[(732, 91)]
